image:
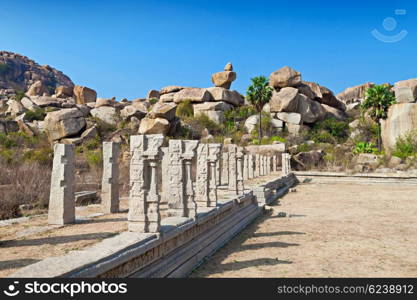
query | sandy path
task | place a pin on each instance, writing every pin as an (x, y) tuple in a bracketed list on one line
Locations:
[(331, 230)]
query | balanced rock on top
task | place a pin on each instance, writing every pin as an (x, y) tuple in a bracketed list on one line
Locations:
[(225, 78)]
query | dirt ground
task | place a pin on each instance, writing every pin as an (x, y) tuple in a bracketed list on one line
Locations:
[(330, 230)]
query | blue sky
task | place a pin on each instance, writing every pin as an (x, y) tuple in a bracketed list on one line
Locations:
[(124, 48)]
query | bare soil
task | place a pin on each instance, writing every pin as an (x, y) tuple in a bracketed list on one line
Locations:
[(330, 230)]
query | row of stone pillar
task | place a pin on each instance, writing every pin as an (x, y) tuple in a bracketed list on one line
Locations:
[(214, 167)]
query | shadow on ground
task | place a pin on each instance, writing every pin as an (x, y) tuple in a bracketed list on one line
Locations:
[(214, 264)]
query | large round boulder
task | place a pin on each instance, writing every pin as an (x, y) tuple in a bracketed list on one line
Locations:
[(64, 123), (285, 77)]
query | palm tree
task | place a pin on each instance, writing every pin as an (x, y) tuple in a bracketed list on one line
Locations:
[(377, 101), (258, 94)]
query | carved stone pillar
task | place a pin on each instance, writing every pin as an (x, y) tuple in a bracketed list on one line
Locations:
[(257, 165), (61, 201), (274, 163), (110, 179), (286, 166), (213, 158), (245, 167), (239, 157), (251, 166), (202, 178), (232, 168), (144, 214), (224, 178)]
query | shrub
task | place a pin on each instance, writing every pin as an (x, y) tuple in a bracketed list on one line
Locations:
[(406, 145), (338, 130), (323, 137), (152, 101), (363, 147), (19, 95), (42, 156), (304, 147), (38, 114), (94, 158), (278, 139), (185, 109)]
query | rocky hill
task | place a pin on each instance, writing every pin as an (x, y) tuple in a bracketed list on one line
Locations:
[(18, 72)]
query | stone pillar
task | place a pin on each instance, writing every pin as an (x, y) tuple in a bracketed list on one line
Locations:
[(213, 158), (239, 166), (251, 166), (274, 163), (61, 201), (257, 165), (202, 178), (181, 201), (245, 167), (261, 166), (286, 166), (218, 169), (268, 162), (165, 189), (144, 214), (232, 168), (224, 178), (110, 179)]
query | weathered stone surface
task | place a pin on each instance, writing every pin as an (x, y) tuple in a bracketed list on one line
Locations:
[(233, 182), (284, 77), (44, 101), (273, 149), (132, 111), (355, 93), (153, 126), (193, 95), (310, 111), (286, 164), (410, 83), (141, 105), (21, 72), (213, 158), (84, 94), (228, 67), (404, 95), (163, 110), (110, 179), (64, 123), (367, 159), (402, 118), (202, 176), (224, 178), (37, 89), (153, 94), (64, 91), (295, 130), (61, 202), (88, 134), (222, 94), (28, 104), (306, 160), (144, 214), (332, 112), (107, 114), (170, 89), (292, 118), (286, 100), (223, 79), (167, 97), (252, 123), (239, 167), (14, 108), (105, 102), (276, 125), (181, 202)]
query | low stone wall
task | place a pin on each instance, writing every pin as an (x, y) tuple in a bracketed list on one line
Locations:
[(182, 244), (362, 178)]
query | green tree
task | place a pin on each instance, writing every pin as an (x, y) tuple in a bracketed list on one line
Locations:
[(258, 94), (377, 101)]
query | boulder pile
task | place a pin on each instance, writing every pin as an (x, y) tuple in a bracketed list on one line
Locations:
[(296, 103)]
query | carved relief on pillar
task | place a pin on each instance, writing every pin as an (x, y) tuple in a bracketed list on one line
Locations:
[(257, 165), (286, 166), (202, 177), (213, 158), (190, 206), (144, 214), (224, 178), (246, 167), (232, 168), (110, 178), (239, 166), (251, 166)]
